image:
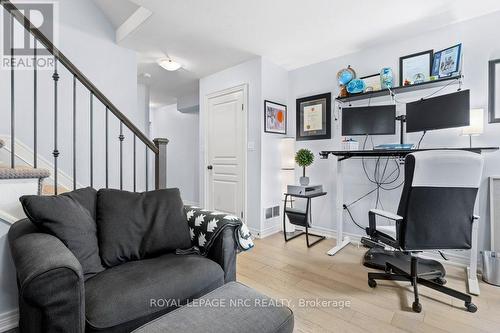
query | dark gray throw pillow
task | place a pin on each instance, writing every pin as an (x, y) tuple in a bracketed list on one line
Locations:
[(133, 226), (71, 218)]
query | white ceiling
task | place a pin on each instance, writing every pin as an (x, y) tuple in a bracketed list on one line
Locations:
[(206, 36)]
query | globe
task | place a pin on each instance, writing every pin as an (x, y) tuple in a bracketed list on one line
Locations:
[(346, 75)]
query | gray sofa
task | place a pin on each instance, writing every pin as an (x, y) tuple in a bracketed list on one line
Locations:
[(54, 295)]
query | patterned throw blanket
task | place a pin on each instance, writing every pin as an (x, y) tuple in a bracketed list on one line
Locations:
[(205, 226)]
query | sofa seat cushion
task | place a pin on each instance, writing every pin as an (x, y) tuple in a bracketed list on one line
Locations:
[(137, 289)]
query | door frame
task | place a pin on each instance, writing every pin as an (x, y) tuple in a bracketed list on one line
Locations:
[(243, 88)]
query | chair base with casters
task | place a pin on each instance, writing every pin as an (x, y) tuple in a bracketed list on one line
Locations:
[(378, 258), (393, 273)]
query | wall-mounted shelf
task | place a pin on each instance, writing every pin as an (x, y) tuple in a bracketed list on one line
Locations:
[(399, 90)]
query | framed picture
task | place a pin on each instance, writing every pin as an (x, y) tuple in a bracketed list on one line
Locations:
[(372, 82), (314, 117), (494, 91), (415, 68), (275, 115), (447, 62)]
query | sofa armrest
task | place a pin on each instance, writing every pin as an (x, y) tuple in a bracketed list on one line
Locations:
[(223, 252), (51, 285)]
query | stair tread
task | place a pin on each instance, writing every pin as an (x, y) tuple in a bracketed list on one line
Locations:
[(21, 172)]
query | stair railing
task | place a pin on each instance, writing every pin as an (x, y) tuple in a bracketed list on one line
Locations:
[(158, 146)]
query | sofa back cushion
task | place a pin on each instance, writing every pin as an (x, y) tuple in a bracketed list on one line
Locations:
[(133, 226), (71, 218)]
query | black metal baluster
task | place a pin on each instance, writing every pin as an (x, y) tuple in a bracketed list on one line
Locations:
[(74, 132), (12, 97), (121, 138), (91, 139), (35, 106), (55, 153), (107, 147), (147, 168), (135, 167)]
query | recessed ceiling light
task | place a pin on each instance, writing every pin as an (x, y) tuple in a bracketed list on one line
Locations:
[(169, 64)]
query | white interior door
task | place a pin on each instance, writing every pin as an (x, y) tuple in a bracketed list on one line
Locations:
[(226, 152)]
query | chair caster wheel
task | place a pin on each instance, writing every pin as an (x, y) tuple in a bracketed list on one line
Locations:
[(440, 281), (471, 307), (372, 283), (416, 307)]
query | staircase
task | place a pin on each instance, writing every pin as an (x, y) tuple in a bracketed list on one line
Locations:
[(19, 176), (15, 182)]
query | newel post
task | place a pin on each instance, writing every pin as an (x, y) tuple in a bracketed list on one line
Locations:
[(161, 163)]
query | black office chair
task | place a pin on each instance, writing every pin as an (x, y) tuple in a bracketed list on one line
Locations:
[(436, 212)]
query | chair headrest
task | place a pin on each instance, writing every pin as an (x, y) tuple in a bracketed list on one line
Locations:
[(446, 168)]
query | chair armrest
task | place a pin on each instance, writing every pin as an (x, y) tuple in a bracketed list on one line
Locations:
[(376, 235), (383, 213), (51, 285), (224, 251)]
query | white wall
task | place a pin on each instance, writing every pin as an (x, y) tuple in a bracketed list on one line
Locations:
[(480, 41), (249, 73), (275, 89), (182, 131)]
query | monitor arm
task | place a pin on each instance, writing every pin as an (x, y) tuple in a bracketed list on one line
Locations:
[(402, 119)]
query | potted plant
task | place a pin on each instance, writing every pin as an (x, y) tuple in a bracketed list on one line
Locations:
[(304, 158)]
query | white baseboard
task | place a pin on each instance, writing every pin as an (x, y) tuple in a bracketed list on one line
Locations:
[(265, 232), (9, 320)]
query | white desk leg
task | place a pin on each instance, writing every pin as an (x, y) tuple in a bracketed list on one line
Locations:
[(472, 282), (339, 213)]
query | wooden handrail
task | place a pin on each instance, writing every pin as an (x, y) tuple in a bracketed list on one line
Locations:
[(12, 9)]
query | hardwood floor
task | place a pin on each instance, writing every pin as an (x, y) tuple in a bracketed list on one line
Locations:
[(292, 271)]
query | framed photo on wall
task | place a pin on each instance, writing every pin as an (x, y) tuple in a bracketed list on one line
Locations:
[(447, 62), (275, 116), (314, 120), (494, 91), (415, 68)]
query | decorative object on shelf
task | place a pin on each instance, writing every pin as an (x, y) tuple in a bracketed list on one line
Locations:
[(476, 125), (447, 62), (304, 158), (356, 86), (314, 117), (350, 144), (447, 81), (494, 91), (415, 68), (372, 82), (344, 76), (386, 78), (275, 116)]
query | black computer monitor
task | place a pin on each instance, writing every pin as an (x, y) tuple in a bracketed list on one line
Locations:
[(447, 111), (369, 120)]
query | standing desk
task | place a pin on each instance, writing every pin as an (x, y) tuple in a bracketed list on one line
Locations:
[(342, 241)]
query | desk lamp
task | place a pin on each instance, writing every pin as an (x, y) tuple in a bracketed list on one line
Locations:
[(476, 126)]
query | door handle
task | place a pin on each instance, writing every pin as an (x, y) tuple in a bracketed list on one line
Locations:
[(210, 167)]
